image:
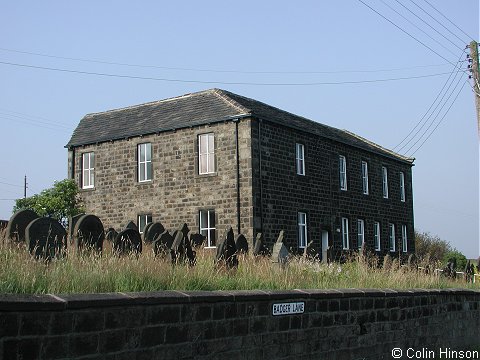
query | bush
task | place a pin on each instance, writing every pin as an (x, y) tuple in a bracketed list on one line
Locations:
[(431, 247), (456, 255)]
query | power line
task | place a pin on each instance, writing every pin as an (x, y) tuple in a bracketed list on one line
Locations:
[(5, 183), (454, 71), (417, 27), (441, 120), (438, 124), (430, 26), (220, 82), (213, 70), (34, 117), (42, 124), (446, 18), (406, 32)]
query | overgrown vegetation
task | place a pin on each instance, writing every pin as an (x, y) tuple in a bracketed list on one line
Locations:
[(19, 273)]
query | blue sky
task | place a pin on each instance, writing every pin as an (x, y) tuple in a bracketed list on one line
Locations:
[(326, 59)]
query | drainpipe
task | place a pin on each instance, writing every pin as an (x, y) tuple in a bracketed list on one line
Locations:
[(260, 171), (238, 175)]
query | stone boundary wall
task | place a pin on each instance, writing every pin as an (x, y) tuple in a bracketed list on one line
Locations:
[(335, 324)]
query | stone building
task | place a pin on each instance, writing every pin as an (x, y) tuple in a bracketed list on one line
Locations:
[(215, 159)]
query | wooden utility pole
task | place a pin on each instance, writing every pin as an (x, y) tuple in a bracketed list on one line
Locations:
[(25, 187), (476, 80)]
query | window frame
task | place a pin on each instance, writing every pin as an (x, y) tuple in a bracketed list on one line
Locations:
[(302, 230), (300, 158), (385, 182), (377, 235), (209, 155), (404, 238), (342, 160), (90, 170), (146, 217), (365, 187), (360, 226), (402, 186), (208, 213), (391, 237), (344, 230), (146, 162)]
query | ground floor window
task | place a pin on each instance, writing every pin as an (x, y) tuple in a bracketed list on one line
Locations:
[(302, 230), (360, 232), (345, 241), (376, 235), (142, 221), (391, 237), (404, 238), (207, 226)]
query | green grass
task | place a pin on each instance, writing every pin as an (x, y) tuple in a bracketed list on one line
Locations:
[(21, 274)]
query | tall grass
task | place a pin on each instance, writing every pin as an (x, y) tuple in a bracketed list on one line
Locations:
[(21, 274)]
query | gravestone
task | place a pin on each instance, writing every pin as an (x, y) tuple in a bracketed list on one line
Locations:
[(131, 225), (177, 250), (152, 230), (89, 233), (71, 226), (127, 241), (241, 244), (387, 262), (227, 251), (259, 248), (111, 235), (412, 262), (18, 223), (46, 238), (162, 244), (145, 230), (280, 252), (197, 240)]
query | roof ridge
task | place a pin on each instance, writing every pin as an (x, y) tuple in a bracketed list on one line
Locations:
[(223, 94), (406, 158), (149, 103)]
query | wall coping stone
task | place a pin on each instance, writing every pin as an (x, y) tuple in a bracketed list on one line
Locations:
[(49, 302)]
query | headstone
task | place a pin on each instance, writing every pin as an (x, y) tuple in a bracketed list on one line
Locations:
[(280, 252), (241, 244), (309, 251), (89, 233), (111, 234), (227, 251), (259, 248), (128, 241), (197, 240), (46, 238), (152, 230), (131, 225), (387, 262), (162, 244), (177, 250), (18, 223), (71, 225), (145, 231), (412, 262)]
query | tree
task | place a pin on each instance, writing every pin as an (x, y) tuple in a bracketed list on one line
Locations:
[(430, 247), (458, 257), (59, 202)]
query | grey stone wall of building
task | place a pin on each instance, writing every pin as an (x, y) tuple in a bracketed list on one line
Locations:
[(335, 324), (279, 193), (177, 192)]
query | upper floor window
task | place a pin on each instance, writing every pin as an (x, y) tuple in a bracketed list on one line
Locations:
[(391, 237), (144, 162), (206, 154), (88, 170), (207, 226), (385, 182), (404, 238), (360, 232), (302, 230), (142, 221), (376, 235), (365, 177), (343, 172), (402, 187), (300, 157), (345, 242)]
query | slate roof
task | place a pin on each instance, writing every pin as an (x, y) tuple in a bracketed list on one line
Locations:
[(209, 106)]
